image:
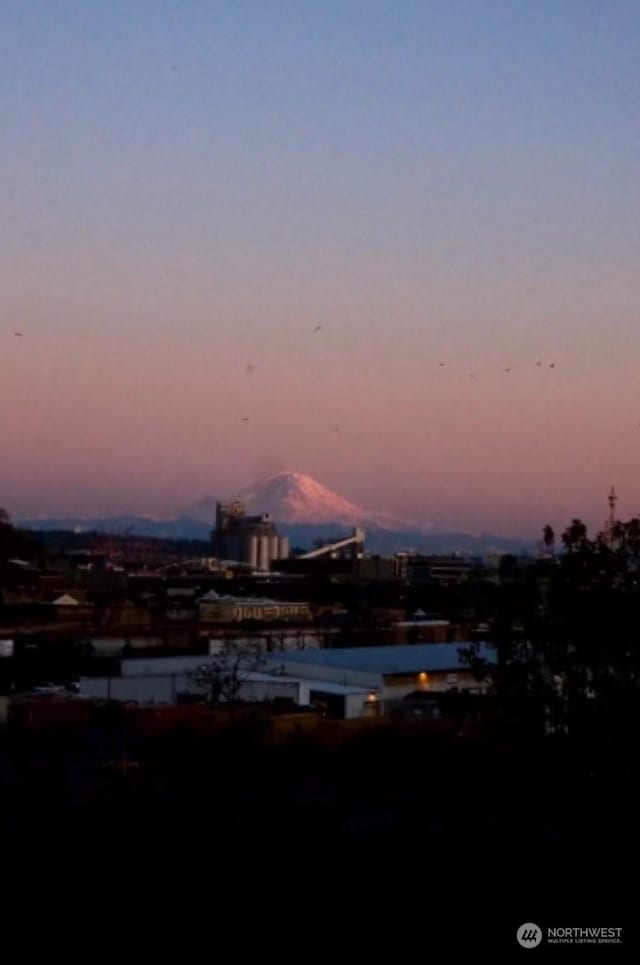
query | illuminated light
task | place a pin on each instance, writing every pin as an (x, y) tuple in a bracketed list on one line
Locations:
[(422, 677), (372, 698)]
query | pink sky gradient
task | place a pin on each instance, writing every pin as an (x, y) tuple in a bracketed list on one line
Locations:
[(108, 425), (189, 198)]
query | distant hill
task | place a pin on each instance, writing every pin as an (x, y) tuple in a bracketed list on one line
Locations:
[(55, 541), (304, 535), (180, 527), (388, 541), (305, 511)]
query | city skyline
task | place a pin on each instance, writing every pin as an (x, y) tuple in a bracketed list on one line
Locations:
[(391, 246)]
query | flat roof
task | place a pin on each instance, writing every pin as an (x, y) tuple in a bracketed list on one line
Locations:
[(329, 687), (405, 658), (250, 601), (422, 623), (175, 666), (321, 686)]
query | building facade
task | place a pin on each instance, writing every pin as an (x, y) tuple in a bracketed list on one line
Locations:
[(213, 608), (247, 539)]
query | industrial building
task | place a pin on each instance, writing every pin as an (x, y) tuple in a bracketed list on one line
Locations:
[(166, 680), (214, 608), (247, 539), (391, 672), (350, 682)]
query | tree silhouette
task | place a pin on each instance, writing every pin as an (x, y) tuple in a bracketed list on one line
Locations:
[(15, 542), (574, 537), (568, 641), (223, 676)]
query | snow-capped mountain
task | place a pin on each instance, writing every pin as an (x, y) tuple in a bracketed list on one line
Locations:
[(305, 511), (295, 498)]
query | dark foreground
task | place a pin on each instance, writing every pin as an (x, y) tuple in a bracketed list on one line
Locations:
[(401, 820)]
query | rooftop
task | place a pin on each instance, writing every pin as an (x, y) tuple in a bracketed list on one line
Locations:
[(410, 658), (213, 597), (422, 623)]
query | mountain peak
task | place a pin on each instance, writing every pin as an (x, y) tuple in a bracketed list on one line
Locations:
[(294, 497)]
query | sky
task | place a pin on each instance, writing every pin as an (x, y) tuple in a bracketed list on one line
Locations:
[(230, 227)]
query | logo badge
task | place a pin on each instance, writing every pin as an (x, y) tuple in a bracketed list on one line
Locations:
[(529, 935)]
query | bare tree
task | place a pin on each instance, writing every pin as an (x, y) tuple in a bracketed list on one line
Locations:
[(225, 673)]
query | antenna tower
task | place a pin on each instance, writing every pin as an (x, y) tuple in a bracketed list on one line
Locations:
[(613, 499)]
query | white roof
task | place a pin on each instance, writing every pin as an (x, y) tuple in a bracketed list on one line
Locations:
[(330, 687), (387, 660), (213, 597), (65, 600), (422, 623), (170, 666)]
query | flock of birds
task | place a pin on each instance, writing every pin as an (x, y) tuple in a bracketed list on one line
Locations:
[(249, 369), (472, 375)]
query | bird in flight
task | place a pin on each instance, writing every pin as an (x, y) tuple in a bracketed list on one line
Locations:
[(335, 429), (17, 334), (507, 370), (538, 363), (552, 365), (472, 375), (441, 365), (249, 367), (318, 328), (245, 418)]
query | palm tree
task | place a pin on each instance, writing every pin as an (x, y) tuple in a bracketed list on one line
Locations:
[(575, 536)]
